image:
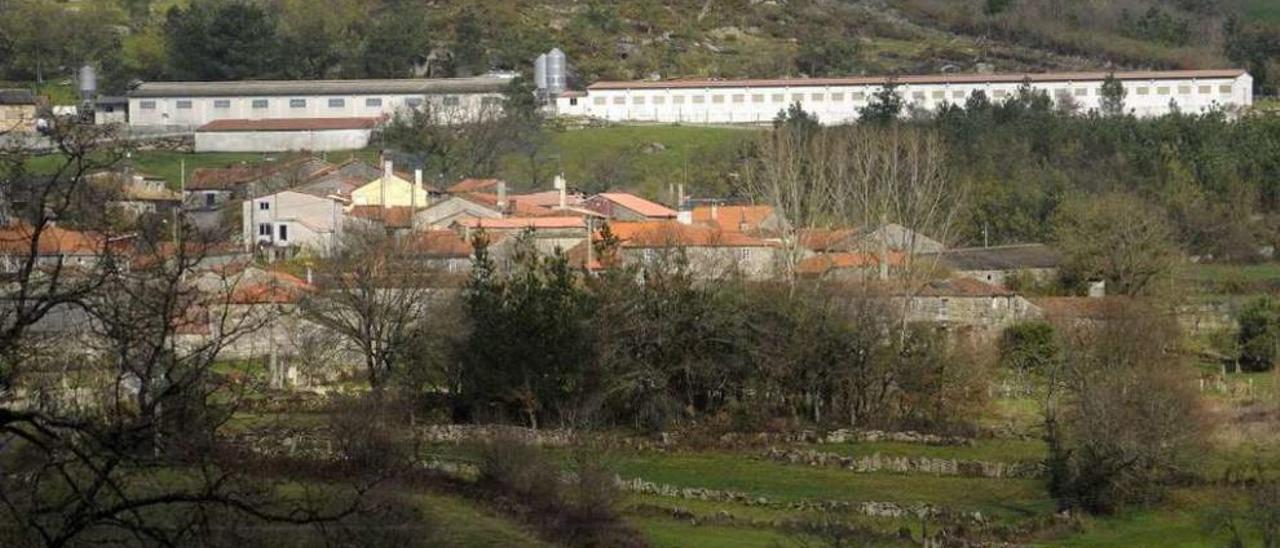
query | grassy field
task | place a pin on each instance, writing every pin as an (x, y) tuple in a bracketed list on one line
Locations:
[(462, 523), (1263, 10)]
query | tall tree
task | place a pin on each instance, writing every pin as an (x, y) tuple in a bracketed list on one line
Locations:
[(215, 40), (1118, 238), (1111, 96)]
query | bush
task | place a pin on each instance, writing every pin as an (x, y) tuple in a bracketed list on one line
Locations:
[(1028, 349), (1259, 335)]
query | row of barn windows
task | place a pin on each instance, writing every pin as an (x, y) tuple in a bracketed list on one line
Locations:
[(937, 95), (333, 102)]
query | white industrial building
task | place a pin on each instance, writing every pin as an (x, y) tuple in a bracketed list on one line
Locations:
[(837, 100), (188, 105)]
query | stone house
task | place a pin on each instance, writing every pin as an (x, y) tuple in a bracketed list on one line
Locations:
[(965, 302), (999, 265), (18, 111), (709, 252)]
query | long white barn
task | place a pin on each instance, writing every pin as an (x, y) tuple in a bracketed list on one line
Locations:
[(186, 105), (837, 100)]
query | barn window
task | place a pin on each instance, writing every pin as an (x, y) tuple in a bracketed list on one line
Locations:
[(699, 99), (1162, 90), (337, 103), (1205, 90), (757, 98), (259, 103), (779, 97), (619, 100), (659, 100), (183, 104), (413, 102), (678, 99), (797, 97), (297, 103), (1144, 90), (858, 95), (599, 101), (637, 100), (147, 105), (452, 101), (957, 94), (491, 101), (1082, 92), (1225, 88), (221, 103), (939, 94), (717, 99), (817, 96), (373, 102), (738, 98), (1184, 90), (837, 96)]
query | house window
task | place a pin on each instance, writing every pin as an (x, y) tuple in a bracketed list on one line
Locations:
[(452, 100), (573, 102), (599, 101), (264, 205), (1225, 88), (337, 103), (264, 229), (284, 232), (413, 102), (942, 310), (260, 103), (221, 103), (741, 254), (496, 101), (183, 104), (147, 105), (373, 102), (297, 103), (637, 100), (209, 199)]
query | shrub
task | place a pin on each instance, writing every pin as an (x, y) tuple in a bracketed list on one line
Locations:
[(1028, 348)]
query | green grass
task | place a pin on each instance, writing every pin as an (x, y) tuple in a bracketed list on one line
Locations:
[(781, 482), (669, 533), (599, 158), (997, 450), (463, 524), (1180, 522), (1230, 278), (1263, 10)]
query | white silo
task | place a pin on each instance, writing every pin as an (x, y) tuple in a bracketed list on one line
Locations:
[(557, 72), (540, 73)]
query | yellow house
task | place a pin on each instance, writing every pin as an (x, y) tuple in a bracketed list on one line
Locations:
[(17, 110), (390, 190)]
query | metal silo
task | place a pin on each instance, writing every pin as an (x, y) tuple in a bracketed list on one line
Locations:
[(557, 72), (540, 73), (88, 83)]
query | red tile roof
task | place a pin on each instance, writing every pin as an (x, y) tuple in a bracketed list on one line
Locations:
[(548, 198), (227, 178), (640, 205), (521, 208), (921, 79), (439, 243), (289, 124), (742, 218), (641, 234), (474, 185), (269, 287), (16, 240), (391, 217), (827, 239), (516, 223)]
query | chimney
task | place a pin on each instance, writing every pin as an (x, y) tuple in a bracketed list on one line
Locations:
[(502, 197), (417, 179), (387, 172), (563, 188), (715, 211)]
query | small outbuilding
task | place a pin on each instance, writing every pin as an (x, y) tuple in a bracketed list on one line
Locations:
[(282, 135)]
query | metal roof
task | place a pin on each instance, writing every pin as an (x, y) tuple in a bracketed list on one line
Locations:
[(248, 88), (924, 79)]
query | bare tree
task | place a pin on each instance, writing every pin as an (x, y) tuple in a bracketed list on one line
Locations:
[(374, 297), (137, 460)]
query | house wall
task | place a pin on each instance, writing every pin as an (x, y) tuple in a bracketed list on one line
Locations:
[(991, 312), (198, 111), (755, 263), (281, 141), (839, 104), (1001, 277), (443, 214), (17, 118), (310, 221), (398, 192)]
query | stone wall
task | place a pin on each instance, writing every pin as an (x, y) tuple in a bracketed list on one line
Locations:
[(908, 465)]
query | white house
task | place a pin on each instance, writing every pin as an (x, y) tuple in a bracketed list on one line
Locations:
[(186, 105), (837, 100), (290, 220)]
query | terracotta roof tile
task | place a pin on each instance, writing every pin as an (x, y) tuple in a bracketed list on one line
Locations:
[(391, 217), (516, 223), (641, 234), (741, 218), (16, 240), (474, 185), (639, 205), (439, 243), (825, 262)]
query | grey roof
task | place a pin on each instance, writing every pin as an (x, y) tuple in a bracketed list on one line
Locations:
[(477, 84), (1006, 257), (16, 97)]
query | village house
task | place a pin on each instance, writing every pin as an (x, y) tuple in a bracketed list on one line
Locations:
[(18, 111), (758, 220), (390, 189), (549, 234), (132, 194), (210, 191), (286, 222), (1000, 265), (848, 265), (965, 303), (622, 206), (709, 253), (57, 247), (443, 250)]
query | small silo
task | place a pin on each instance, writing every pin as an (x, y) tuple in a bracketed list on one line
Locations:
[(88, 83), (557, 72), (540, 73)]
